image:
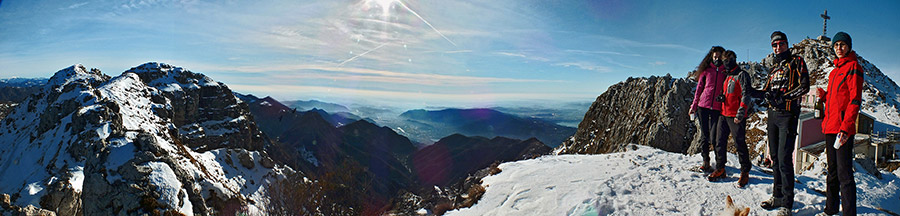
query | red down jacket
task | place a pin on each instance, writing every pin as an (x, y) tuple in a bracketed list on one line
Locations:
[(737, 96), (844, 96)]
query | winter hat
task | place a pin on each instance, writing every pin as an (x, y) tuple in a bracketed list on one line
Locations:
[(778, 35), (842, 36)]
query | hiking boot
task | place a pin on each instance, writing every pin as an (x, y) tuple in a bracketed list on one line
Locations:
[(706, 167), (768, 204), (716, 175), (784, 211), (824, 214), (745, 178)]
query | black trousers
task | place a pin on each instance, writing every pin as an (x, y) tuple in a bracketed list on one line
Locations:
[(840, 177), (708, 121), (782, 132), (739, 132)]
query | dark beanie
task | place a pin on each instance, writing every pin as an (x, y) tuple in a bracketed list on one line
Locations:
[(842, 36), (778, 35)]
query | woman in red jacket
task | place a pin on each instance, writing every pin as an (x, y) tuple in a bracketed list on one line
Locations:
[(710, 75), (842, 101)]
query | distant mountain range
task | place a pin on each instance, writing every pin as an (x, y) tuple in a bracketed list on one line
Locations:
[(270, 105), (15, 90), (305, 105), (434, 124), (314, 142), (22, 82), (425, 127)]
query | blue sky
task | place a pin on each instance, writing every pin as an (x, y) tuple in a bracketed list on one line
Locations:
[(422, 53)]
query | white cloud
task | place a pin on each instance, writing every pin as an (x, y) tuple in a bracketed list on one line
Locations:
[(511, 54), (74, 6), (522, 55), (586, 66), (601, 52), (632, 43)]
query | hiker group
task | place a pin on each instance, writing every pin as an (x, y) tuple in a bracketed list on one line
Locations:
[(722, 103)]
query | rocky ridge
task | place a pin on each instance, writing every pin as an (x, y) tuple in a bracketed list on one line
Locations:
[(156, 139), (648, 111)]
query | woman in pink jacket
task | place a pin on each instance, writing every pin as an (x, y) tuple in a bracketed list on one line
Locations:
[(710, 76)]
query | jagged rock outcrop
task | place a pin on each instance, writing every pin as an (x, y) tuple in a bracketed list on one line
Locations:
[(206, 113), (5, 108), (648, 111), (155, 140)]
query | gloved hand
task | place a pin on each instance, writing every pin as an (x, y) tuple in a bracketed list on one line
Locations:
[(775, 99)]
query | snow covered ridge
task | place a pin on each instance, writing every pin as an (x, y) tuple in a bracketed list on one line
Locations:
[(649, 181), (154, 139)]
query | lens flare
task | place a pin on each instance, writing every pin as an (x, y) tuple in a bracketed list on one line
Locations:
[(385, 5)]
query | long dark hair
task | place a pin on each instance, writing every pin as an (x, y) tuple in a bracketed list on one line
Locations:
[(706, 60)]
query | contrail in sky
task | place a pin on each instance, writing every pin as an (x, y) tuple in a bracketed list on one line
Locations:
[(426, 22), (361, 54)]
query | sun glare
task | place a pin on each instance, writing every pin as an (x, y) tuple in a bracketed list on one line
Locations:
[(385, 5)]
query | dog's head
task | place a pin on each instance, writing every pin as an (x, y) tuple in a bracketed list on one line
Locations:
[(731, 210)]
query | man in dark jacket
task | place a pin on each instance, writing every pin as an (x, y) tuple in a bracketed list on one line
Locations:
[(788, 81), (842, 101)]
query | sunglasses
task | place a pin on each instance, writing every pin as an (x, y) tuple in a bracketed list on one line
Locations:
[(783, 43)]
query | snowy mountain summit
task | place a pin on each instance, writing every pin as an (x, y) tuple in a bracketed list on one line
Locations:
[(156, 139)]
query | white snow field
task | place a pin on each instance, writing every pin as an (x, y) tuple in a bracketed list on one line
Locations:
[(649, 181)]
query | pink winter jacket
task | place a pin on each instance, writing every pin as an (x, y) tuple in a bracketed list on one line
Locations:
[(709, 86)]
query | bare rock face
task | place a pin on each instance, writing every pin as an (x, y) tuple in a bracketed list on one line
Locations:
[(5, 108), (648, 111), (206, 113)]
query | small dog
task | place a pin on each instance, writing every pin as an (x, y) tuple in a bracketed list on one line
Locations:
[(731, 210)]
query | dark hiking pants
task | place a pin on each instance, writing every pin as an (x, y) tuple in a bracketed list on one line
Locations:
[(782, 132), (738, 132), (708, 120), (840, 177)]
